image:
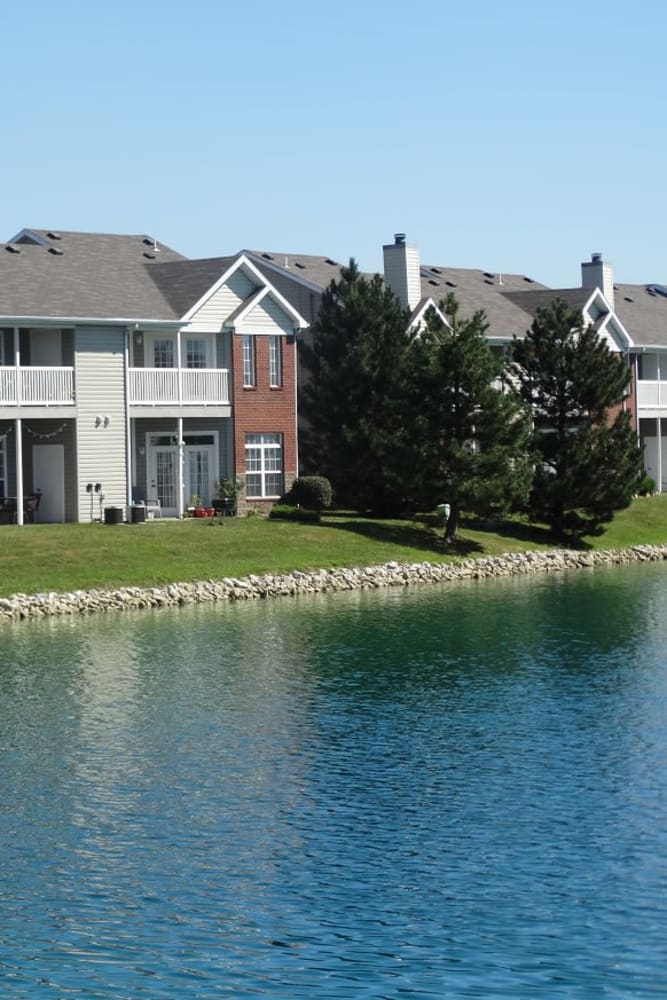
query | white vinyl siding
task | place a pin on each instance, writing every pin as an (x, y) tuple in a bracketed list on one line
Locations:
[(100, 398), (275, 362), (263, 465), (225, 300), (268, 317)]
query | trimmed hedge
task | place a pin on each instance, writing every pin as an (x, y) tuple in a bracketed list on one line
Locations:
[(313, 492), (286, 512)]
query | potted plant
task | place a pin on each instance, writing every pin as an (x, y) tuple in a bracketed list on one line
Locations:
[(226, 496)]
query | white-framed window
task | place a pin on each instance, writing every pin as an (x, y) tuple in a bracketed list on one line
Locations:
[(275, 362), (248, 360), (263, 465), (196, 352), (163, 352)]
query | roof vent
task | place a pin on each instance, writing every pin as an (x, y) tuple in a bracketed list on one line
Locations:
[(436, 270), (596, 258), (399, 239), (148, 255), (267, 256), (489, 274), (54, 236), (334, 263), (56, 251), (451, 284), (297, 263), (658, 290), (12, 248), (432, 281), (489, 281), (148, 241), (531, 281), (628, 299)]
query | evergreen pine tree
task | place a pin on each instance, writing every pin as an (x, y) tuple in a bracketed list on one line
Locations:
[(357, 429), (474, 436), (589, 462)]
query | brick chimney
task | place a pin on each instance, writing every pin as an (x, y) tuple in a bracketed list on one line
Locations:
[(595, 273), (401, 271)]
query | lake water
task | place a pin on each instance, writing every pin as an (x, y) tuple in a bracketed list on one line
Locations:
[(455, 791)]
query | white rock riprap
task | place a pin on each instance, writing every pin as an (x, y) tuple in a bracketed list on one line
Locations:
[(20, 607)]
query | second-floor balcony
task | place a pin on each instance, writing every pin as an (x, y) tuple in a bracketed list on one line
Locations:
[(179, 386), (36, 386), (651, 393)]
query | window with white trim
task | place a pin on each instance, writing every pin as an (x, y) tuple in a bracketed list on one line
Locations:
[(275, 362), (263, 465), (248, 360), (163, 353), (196, 352)]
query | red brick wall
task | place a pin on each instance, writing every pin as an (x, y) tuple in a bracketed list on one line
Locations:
[(262, 409)]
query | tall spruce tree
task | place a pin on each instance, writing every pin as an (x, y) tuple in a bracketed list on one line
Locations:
[(473, 436), (358, 431), (589, 463)]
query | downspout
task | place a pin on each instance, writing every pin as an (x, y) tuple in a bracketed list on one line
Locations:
[(129, 451), (18, 429), (296, 404), (181, 485)]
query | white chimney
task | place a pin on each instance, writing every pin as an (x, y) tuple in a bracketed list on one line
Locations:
[(595, 273), (401, 271)]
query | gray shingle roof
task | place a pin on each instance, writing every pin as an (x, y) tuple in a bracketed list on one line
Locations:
[(93, 275), (644, 315), (183, 282), (475, 289)]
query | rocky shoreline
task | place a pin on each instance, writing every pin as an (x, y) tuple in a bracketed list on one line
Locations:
[(21, 607)]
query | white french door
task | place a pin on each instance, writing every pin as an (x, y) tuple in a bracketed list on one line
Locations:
[(163, 477), (200, 470), (198, 473)]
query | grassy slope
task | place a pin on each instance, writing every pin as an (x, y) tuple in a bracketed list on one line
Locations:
[(82, 556)]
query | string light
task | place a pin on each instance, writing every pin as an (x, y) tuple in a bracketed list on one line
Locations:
[(41, 436)]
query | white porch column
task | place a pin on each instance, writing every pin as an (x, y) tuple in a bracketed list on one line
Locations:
[(17, 364), (659, 441), (129, 450), (179, 354), (181, 483), (18, 429)]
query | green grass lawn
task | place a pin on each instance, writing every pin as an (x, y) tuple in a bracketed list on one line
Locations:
[(63, 557)]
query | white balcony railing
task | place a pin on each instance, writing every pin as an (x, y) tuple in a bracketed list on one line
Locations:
[(186, 386), (37, 386), (651, 393)]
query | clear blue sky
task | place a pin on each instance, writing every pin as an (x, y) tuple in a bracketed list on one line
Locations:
[(512, 136)]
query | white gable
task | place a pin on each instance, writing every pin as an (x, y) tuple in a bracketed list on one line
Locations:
[(224, 300), (266, 317)]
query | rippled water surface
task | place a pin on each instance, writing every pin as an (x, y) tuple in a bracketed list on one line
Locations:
[(447, 792)]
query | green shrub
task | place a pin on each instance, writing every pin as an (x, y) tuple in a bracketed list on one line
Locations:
[(286, 512), (313, 492), (646, 486)]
